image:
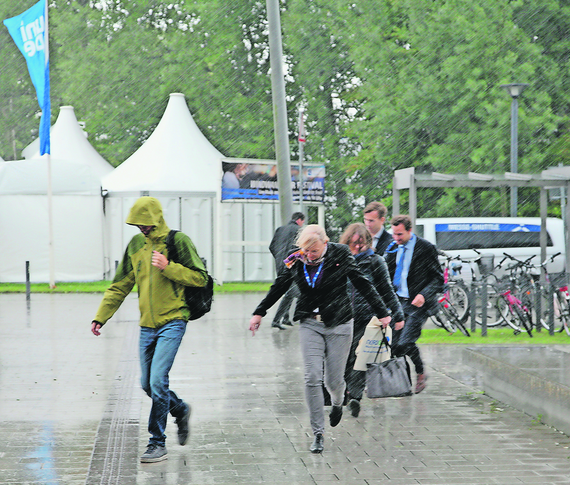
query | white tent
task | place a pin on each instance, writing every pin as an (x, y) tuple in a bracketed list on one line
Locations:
[(76, 171), (69, 142), (180, 167)]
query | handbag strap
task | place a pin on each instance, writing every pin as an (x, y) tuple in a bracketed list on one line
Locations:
[(383, 342)]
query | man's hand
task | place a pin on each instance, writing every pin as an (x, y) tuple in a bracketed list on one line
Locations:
[(385, 321), (254, 324), (96, 328), (399, 325), (419, 300), (159, 260)]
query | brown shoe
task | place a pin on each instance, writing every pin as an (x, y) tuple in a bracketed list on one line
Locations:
[(421, 383)]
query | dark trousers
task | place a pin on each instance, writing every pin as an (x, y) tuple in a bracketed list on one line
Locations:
[(404, 340), (285, 304), (355, 379)]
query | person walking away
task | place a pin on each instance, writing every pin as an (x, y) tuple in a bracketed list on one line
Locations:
[(374, 218), (418, 278), (357, 237), (321, 270), (163, 310), (282, 244)]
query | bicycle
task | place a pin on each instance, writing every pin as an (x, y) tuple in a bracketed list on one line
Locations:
[(453, 304), (494, 317), (517, 313), (560, 304)]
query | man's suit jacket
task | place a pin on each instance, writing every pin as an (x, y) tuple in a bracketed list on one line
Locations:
[(330, 296), (383, 242), (425, 275), (283, 243)]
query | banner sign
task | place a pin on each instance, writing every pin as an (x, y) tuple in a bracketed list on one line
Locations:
[(487, 227), (257, 180), (30, 33)]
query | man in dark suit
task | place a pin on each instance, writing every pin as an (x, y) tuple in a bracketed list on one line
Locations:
[(418, 279), (281, 245), (374, 218)]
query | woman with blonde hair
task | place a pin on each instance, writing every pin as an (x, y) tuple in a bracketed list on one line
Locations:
[(321, 270), (357, 238)]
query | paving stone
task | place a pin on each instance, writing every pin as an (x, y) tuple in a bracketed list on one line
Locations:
[(71, 406)]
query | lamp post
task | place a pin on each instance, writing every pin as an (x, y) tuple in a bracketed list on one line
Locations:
[(515, 90)]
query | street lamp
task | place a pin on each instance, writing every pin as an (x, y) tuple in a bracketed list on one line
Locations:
[(515, 90)]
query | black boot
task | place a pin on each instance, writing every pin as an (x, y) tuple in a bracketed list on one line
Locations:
[(317, 445)]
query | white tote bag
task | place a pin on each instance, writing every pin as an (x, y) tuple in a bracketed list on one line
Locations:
[(367, 350)]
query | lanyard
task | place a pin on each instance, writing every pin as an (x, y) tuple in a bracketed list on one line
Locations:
[(309, 282)]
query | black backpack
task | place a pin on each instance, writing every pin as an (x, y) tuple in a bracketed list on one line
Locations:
[(198, 299)]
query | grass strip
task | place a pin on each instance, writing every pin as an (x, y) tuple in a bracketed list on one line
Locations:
[(101, 286), (495, 336)]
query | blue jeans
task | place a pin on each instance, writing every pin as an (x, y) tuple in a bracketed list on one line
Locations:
[(158, 347)]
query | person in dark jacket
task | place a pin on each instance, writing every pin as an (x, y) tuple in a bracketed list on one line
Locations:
[(281, 246), (358, 239), (374, 218), (418, 279), (321, 270)]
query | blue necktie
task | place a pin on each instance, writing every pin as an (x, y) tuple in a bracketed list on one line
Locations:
[(399, 268)]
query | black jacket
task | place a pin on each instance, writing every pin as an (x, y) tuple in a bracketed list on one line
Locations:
[(425, 276), (375, 269), (330, 296), (283, 243), (383, 242)]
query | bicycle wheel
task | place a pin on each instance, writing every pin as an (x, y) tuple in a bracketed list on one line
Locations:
[(564, 309), (452, 317), (495, 316), (556, 308), (443, 320), (458, 295), (524, 318), (509, 318)]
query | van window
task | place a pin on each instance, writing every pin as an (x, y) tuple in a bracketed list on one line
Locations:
[(487, 236)]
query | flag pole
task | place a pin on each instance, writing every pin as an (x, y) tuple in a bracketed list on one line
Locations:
[(48, 154), (302, 139), (30, 33)]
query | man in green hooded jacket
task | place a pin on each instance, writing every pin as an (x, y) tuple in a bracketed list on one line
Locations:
[(163, 310)]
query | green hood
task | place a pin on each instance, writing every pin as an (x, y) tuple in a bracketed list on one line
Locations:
[(147, 211)]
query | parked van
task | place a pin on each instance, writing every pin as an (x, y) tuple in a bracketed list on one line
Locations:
[(517, 236)]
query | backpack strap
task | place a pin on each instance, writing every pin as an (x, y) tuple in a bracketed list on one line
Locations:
[(171, 245)]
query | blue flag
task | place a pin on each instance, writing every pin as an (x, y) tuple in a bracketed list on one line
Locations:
[(30, 33)]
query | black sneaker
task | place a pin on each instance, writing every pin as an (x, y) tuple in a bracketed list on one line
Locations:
[(335, 415), (154, 453), (184, 426)]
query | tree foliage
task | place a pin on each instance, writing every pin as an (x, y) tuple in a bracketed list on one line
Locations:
[(385, 85)]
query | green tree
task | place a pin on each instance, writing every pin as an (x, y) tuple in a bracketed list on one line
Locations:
[(431, 96)]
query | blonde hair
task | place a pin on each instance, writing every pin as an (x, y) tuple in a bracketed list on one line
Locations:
[(310, 235)]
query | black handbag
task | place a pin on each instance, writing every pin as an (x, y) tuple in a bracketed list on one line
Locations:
[(390, 378)]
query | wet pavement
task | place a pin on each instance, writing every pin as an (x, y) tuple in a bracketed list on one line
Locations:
[(72, 412)]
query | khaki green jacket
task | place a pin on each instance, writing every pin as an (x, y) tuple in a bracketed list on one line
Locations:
[(161, 293)]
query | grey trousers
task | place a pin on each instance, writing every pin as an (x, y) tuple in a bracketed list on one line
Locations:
[(324, 348)]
